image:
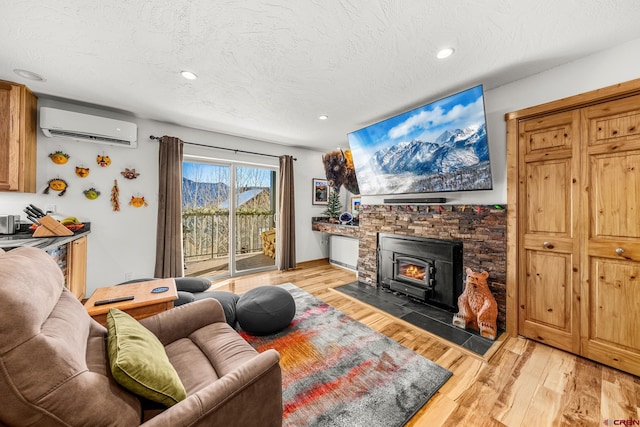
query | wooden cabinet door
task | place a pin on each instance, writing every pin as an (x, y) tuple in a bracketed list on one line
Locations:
[(610, 320), (548, 279), (77, 267), (18, 111), (9, 137)]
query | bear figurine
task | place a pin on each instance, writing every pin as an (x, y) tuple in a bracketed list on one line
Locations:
[(477, 306)]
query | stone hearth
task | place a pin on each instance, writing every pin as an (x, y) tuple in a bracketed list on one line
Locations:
[(482, 229), (430, 318)]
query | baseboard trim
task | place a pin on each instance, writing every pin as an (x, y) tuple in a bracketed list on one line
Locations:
[(342, 264)]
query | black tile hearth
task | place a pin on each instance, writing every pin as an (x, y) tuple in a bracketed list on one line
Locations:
[(432, 319)]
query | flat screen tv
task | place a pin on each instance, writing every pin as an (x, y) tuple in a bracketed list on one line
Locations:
[(439, 147)]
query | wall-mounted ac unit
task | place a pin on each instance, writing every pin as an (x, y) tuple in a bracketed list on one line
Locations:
[(85, 127)]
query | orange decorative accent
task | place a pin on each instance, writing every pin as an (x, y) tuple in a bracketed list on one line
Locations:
[(138, 202), (56, 184), (59, 157), (103, 160), (82, 172)]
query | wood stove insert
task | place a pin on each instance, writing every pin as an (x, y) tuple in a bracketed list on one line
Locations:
[(429, 270)]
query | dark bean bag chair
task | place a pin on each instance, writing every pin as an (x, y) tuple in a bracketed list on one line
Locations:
[(265, 310), (227, 300)]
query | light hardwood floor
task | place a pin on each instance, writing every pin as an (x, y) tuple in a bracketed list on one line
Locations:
[(524, 384)]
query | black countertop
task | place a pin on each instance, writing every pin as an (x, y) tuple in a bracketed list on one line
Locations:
[(24, 237)]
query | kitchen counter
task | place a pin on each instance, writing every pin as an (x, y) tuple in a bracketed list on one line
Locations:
[(25, 238)]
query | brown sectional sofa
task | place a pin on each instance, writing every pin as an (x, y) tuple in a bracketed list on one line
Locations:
[(54, 368)]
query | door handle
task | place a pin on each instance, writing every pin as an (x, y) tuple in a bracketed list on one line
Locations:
[(620, 252), (548, 245)]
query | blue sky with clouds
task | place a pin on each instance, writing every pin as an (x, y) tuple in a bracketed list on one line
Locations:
[(426, 123)]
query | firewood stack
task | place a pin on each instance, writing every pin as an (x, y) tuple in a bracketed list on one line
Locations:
[(269, 243)]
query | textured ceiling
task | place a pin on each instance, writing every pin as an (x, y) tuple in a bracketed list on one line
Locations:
[(268, 69)]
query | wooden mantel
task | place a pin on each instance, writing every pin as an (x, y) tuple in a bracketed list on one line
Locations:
[(322, 224)]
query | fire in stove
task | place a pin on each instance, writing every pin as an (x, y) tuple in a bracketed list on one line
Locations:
[(413, 271)]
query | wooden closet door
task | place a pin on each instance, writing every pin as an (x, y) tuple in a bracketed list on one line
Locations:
[(549, 168), (610, 319)]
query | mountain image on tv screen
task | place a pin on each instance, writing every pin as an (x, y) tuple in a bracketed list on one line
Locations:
[(439, 147)]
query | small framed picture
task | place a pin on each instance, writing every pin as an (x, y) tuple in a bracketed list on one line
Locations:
[(320, 191), (355, 206)]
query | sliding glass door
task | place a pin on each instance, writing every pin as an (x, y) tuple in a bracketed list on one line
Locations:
[(254, 218), (228, 218)]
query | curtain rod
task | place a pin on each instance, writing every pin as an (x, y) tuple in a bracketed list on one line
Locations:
[(158, 138)]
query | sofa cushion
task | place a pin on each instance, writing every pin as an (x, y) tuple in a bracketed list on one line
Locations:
[(184, 298), (192, 364), (139, 362), (192, 284), (227, 300)]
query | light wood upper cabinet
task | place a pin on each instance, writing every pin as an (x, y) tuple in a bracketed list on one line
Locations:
[(573, 279), (18, 113)]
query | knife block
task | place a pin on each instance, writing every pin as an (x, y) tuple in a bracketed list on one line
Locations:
[(50, 227)]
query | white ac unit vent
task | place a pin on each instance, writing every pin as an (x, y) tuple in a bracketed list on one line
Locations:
[(85, 127)]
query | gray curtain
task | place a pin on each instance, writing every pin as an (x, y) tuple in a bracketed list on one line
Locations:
[(286, 230), (169, 262)]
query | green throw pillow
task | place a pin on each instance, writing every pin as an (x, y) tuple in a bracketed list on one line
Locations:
[(138, 360)]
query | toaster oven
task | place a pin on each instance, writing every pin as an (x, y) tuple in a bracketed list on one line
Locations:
[(9, 224)]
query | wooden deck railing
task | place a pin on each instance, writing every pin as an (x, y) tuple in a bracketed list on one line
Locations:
[(206, 234)]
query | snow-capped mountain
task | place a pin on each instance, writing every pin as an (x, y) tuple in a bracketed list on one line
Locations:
[(452, 150)]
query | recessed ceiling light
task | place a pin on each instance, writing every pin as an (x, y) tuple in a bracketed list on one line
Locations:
[(445, 53), (323, 117), (29, 75), (189, 75)]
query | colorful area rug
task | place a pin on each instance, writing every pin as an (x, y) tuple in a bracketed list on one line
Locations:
[(339, 372)]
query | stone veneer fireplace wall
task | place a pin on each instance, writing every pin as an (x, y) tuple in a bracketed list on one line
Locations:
[(482, 229)]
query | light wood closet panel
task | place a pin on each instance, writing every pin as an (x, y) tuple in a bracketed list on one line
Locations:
[(549, 284), (573, 171), (611, 283)]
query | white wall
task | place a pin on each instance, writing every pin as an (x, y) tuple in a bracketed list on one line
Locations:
[(605, 68), (124, 242)]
